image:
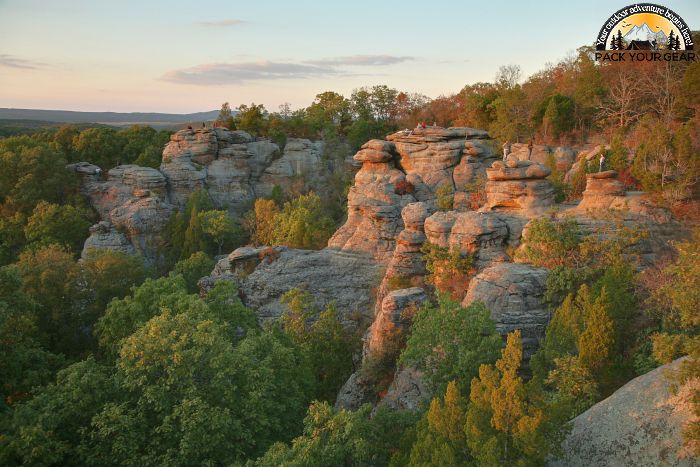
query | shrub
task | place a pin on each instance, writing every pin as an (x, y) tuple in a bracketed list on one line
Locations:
[(449, 270), (449, 342), (476, 190), (444, 196), (549, 244)]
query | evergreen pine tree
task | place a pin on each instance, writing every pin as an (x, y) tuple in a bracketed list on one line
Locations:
[(504, 426), (596, 343), (671, 41), (620, 45), (613, 43), (440, 438)]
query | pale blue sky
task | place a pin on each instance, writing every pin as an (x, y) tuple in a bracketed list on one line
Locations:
[(177, 56)]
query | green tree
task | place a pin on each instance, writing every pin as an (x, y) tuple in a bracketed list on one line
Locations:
[(32, 172), (596, 344), (220, 228), (440, 438), (25, 364), (100, 146), (225, 117), (302, 223), (124, 316), (108, 275), (252, 119), (450, 342), (196, 398), (342, 437), (558, 117), (194, 268), (53, 223), (328, 347), (51, 277), (549, 244), (50, 429)]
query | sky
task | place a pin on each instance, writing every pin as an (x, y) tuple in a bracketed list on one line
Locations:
[(189, 56)]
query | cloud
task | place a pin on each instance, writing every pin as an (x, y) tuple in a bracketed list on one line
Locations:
[(224, 23), (237, 73), (361, 60), (10, 61)]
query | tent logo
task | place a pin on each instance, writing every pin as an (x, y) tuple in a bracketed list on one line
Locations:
[(645, 32)]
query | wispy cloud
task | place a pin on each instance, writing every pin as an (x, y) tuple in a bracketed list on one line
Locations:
[(224, 23), (237, 73), (361, 60), (10, 61)]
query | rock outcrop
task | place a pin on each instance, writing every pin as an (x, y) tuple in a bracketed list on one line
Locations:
[(640, 424), (132, 203), (374, 206), (104, 236), (483, 235), (407, 391), (231, 166), (513, 293), (519, 186)]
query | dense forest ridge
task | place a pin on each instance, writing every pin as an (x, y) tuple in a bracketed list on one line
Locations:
[(447, 187)]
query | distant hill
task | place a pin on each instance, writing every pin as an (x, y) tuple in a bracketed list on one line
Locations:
[(112, 118)]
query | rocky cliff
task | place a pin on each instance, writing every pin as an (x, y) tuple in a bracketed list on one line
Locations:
[(134, 203)]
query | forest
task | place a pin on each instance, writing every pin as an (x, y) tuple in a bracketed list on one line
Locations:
[(109, 361)]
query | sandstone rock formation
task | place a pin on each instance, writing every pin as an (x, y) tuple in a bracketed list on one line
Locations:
[(513, 293), (395, 315), (133, 205), (408, 167), (481, 234), (640, 424), (104, 236)]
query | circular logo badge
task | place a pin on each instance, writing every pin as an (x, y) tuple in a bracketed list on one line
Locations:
[(645, 26)]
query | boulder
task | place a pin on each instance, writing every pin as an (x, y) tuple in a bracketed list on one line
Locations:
[(407, 391), (513, 293), (330, 276), (639, 424)]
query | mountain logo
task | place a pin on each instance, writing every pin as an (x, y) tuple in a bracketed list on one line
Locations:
[(645, 26)]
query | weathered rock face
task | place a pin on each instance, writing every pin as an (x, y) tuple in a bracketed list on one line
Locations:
[(231, 166), (409, 167), (301, 158), (330, 276), (640, 424), (143, 219), (513, 293), (481, 234), (104, 236), (228, 164), (395, 315)]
